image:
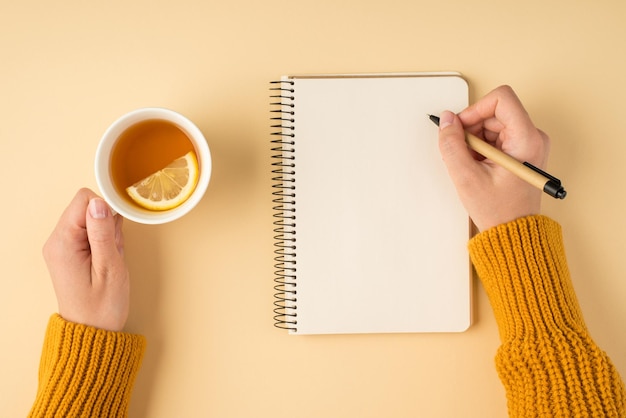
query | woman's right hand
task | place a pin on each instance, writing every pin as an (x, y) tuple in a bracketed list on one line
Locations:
[(491, 194)]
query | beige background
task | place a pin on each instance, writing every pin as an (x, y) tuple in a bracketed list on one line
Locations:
[(202, 286)]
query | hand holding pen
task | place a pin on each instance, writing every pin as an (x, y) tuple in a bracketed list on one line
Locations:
[(491, 193)]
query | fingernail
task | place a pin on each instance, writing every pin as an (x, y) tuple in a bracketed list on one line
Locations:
[(98, 209), (445, 119)]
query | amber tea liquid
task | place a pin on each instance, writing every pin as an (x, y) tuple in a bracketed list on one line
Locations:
[(144, 149)]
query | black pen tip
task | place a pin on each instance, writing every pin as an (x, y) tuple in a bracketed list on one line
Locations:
[(434, 118)]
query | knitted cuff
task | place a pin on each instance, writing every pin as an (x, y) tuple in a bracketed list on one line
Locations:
[(85, 371), (523, 268), (548, 363)]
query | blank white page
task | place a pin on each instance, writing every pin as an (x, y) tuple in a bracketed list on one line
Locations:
[(381, 234)]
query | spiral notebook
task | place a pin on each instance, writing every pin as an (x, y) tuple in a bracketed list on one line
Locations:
[(370, 236)]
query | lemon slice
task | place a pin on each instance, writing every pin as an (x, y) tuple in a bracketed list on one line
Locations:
[(168, 187)]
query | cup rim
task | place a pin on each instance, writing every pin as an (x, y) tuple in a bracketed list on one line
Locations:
[(102, 165)]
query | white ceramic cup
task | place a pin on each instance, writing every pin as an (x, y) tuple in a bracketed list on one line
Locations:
[(121, 204)]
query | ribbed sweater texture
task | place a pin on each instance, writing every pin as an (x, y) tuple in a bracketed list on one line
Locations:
[(85, 371), (548, 363)]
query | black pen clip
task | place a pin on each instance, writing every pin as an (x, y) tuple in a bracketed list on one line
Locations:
[(553, 185)]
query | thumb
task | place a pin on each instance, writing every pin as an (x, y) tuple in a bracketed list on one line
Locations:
[(101, 233), (456, 154)]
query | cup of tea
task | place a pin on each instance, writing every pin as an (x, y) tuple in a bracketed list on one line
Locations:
[(153, 165)]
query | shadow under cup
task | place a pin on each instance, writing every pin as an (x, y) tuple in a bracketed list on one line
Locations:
[(121, 203)]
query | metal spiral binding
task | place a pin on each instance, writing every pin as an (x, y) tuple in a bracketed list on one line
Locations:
[(283, 143)]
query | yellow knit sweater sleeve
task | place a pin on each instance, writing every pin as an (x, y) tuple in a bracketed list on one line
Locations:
[(548, 363), (85, 371)]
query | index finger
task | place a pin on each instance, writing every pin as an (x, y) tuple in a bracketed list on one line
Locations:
[(70, 232), (73, 217), (75, 211)]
